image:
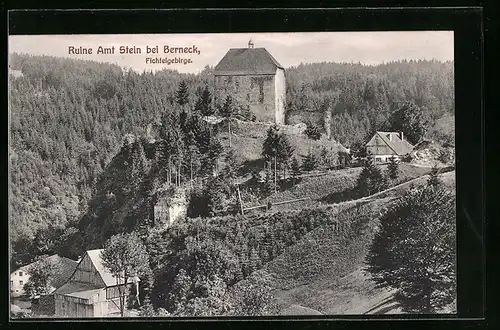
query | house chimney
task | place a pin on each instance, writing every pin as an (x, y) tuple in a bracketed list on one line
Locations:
[(401, 136), (250, 43), (390, 136)]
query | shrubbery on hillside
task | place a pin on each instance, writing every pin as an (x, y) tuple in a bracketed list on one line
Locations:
[(68, 119), (198, 261), (414, 252)]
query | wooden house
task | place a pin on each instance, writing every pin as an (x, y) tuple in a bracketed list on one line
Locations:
[(385, 145), (92, 291)]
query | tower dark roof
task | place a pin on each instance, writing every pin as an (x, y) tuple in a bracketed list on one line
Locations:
[(242, 61)]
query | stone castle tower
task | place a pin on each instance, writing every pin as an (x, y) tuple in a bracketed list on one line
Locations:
[(254, 78)]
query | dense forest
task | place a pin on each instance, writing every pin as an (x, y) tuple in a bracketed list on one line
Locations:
[(69, 119), (352, 100)]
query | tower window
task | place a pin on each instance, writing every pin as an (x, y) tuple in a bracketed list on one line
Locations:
[(261, 92)]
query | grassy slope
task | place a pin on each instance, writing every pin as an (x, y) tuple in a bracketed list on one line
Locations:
[(334, 187), (247, 139), (323, 270)]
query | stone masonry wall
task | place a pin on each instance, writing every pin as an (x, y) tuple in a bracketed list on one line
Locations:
[(257, 92), (280, 92)]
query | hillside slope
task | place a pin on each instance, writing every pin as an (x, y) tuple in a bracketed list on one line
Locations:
[(323, 271), (247, 139)]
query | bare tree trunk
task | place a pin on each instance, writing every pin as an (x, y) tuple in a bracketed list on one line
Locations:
[(180, 169), (191, 171), (169, 171), (275, 174), (239, 199), (121, 294)]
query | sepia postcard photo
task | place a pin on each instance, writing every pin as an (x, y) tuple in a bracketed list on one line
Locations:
[(237, 174)]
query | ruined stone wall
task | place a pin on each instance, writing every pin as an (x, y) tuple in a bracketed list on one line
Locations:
[(169, 208), (256, 92), (280, 92), (177, 208)]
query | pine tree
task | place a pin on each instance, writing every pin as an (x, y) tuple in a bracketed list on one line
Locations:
[(271, 149), (193, 162), (227, 111), (344, 159), (410, 120), (184, 122), (254, 260), (434, 180), (270, 146), (310, 162), (268, 180), (139, 165), (371, 179), (295, 169), (230, 165), (182, 94), (216, 197), (255, 174), (147, 309), (285, 152), (215, 150), (204, 103), (313, 132), (393, 169)]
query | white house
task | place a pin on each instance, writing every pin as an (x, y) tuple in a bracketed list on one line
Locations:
[(385, 145), (64, 267)]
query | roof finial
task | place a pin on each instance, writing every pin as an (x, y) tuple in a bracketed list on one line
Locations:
[(250, 43)]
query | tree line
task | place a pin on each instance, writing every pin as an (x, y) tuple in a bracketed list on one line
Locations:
[(69, 118)]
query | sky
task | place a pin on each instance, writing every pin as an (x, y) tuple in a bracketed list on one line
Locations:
[(290, 49)]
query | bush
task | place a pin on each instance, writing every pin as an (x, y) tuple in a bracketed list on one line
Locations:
[(310, 162), (414, 251), (371, 180)]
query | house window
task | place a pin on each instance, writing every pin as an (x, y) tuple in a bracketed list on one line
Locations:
[(20, 282), (20, 273), (261, 91)]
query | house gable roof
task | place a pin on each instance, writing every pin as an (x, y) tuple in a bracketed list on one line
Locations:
[(64, 268), (242, 61), (106, 275), (399, 146), (108, 278)]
